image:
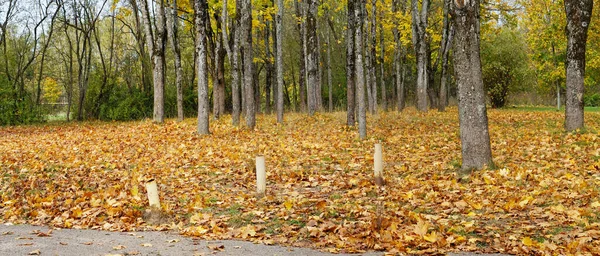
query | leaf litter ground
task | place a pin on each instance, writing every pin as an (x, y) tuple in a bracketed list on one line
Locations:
[(542, 197)]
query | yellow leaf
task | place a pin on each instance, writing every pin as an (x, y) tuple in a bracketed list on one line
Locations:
[(596, 204), (527, 241), (288, 205), (421, 228), (431, 237)]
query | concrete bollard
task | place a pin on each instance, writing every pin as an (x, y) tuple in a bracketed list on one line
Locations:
[(378, 164), (152, 190), (261, 176)]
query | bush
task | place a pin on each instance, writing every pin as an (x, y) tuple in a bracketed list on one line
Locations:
[(592, 100), (126, 105)]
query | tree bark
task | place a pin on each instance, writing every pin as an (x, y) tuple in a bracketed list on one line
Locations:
[(381, 62), (447, 36), (373, 49), (156, 41), (246, 44), (279, 48), (201, 15), (350, 68), (302, 69), (579, 15), (360, 82), (398, 65), (329, 82), (173, 34), (312, 56), (474, 135), (235, 66), (269, 66), (219, 67), (419, 29)]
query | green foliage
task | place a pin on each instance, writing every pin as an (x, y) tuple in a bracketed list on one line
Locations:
[(592, 100), (505, 65), (125, 104)]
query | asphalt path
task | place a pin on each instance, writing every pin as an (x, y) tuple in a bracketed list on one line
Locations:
[(40, 240)]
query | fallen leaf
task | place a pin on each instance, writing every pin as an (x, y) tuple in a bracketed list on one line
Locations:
[(36, 252), (146, 245), (119, 247)]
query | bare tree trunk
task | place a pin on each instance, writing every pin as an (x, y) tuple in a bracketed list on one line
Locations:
[(173, 34), (279, 47), (312, 56), (233, 55), (373, 49), (246, 44), (302, 67), (419, 28), (329, 82), (368, 58), (269, 66), (201, 7), (360, 81), (139, 37), (382, 62), (350, 67), (398, 59), (447, 36), (156, 45), (474, 135), (579, 14)]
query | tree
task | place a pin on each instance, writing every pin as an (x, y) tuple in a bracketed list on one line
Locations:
[(172, 31), (399, 54), (156, 39), (279, 47), (579, 15), (419, 29), (505, 65), (359, 65), (447, 36), (312, 56), (201, 7), (474, 134), (350, 67), (247, 60)]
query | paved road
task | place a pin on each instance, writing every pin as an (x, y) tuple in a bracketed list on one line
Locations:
[(32, 240)]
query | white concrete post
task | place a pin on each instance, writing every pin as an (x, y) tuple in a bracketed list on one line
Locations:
[(261, 175), (152, 190), (378, 164)]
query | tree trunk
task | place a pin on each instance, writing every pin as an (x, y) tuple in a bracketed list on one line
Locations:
[(474, 135), (219, 62), (350, 68), (447, 36), (201, 7), (269, 66), (579, 15), (279, 48), (419, 29), (246, 44), (329, 82), (381, 62), (235, 66), (373, 49), (156, 45), (368, 59), (360, 81), (312, 56), (302, 66), (398, 65), (172, 32)]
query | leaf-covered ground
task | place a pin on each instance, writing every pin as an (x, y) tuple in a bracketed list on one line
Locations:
[(543, 197)]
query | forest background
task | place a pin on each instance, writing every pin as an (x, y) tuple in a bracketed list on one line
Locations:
[(89, 59)]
